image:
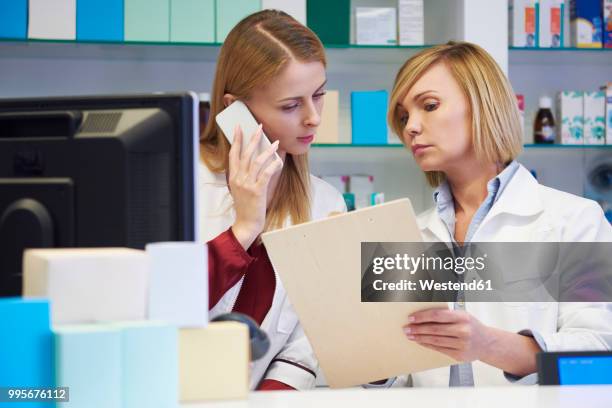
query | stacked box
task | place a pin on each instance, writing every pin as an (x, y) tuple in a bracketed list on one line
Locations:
[(229, 13), (570, 117), (551, 17), (594, 117), (192, 21), (99, 20), (369, 117), (88, 360), (14, 19), (214, 362), (149, 364), (328, 131), (178, 283), (586, 25), (147, 20), (26, 345), (330, 20), (52, 19), (80, 282)]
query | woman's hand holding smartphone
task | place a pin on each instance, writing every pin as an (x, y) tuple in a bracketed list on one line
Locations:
[(249, 177)]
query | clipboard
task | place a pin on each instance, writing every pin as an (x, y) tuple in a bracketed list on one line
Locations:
[(319, 264)]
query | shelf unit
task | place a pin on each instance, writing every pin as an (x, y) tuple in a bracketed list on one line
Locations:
[(50, 67)]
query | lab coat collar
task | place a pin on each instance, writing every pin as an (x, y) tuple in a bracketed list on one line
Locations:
[(521, 197)]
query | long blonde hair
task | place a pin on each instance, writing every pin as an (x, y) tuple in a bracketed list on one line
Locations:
[(496, 131), (255, 51)]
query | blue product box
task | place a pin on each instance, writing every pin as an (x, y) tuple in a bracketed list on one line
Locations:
[(14, 19), (26, 345), (586, 23), (100, 20), (369, 117)]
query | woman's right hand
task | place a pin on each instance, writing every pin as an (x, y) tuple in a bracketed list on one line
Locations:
[(249, 178)]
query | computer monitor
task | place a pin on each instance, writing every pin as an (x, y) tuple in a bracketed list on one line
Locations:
[(93, 171)]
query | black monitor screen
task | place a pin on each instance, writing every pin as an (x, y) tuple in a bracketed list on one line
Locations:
[(92, 171)]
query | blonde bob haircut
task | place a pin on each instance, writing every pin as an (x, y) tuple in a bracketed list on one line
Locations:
[(496, 131), (256, 51)]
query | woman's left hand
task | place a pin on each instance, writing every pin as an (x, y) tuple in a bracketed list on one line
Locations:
[(455, 333)]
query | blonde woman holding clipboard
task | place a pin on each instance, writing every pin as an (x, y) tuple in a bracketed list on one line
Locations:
[(453, 107)]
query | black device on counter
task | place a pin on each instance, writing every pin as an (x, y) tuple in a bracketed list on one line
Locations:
[(574, 367)]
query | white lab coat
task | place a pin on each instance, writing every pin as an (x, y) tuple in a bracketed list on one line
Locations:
[(529, 212), (287, 338)]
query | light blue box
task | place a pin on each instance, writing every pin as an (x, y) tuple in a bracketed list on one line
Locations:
[(192, 21), (230, 12), (147, 20), (149, 364), (14, 19), (369, 117), (99, 20), (26, 345), (88, 361)]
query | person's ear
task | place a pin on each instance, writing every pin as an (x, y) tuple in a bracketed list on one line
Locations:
[(228, 99)]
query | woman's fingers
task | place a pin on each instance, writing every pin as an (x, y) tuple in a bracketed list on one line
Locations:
[(247, 155), (436, 316), (439, 341), (437, 329), (234, 153), (260, 162), (266, 174)]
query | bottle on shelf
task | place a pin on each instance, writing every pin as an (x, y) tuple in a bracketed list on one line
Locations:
[(544, 125)]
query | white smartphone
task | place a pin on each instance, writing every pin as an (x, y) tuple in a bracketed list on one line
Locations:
[(238, 114)]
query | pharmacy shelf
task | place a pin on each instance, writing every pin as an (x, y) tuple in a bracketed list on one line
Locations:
[(399, 146), (564, 56), (173, 51)]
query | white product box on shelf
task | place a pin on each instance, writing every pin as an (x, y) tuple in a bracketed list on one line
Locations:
[(551, 23), (594, 117), (523, 22), (363, 188), (570, 117), (411, 20), (376, 25)]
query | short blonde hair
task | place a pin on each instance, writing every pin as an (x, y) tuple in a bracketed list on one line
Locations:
[(496, 131)]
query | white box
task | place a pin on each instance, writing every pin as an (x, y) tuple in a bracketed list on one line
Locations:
[(295, 8), (594, 118), (551, 18), (86, 285), (570, 117), (609, 113), (178, 291), (363, 188), (523, 23), (52, 19), (411, 21), (376, 25)]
